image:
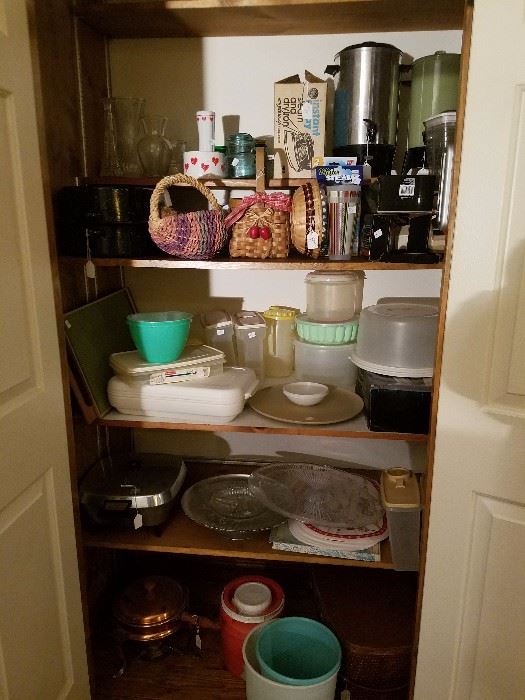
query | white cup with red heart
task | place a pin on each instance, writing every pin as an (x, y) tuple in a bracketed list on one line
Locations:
[(205, 164)]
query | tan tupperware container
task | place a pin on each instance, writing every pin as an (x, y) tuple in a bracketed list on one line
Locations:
[(402, 502)]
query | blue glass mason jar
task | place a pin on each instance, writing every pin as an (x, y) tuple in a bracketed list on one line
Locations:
[(240, 154)]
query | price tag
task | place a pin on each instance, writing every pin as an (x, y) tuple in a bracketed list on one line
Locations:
[(407, 188), (312, 240), (220, 331), (137, 521), (378, 233), (90, 269), (252, 334)]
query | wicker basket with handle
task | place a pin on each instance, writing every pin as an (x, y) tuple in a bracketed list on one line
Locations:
[(195, 235), (260, 226)]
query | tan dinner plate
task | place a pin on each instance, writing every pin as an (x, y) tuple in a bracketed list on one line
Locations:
[(337, 406)]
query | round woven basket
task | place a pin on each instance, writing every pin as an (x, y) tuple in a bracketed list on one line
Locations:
[(308, 229), (194, 235)]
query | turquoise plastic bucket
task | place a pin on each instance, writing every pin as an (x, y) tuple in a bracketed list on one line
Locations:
[(160, 336), (297, 651)]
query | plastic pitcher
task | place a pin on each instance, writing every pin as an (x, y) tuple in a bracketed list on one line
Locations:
[(278, 345)]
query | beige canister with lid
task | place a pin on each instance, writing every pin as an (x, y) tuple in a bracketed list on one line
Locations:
[(334, 296), (402, 502)]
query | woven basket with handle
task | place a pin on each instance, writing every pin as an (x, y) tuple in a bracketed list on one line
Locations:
[(195, 235), (260, 226)]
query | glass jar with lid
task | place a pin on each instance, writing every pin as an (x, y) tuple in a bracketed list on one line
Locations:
[(240, 153)]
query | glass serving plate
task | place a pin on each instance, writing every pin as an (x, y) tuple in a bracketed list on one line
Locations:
[(322, 495), (226, 504)]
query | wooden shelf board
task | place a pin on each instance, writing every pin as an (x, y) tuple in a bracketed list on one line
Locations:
[(200, 18), (223, 263), (182, 536), (251, 422)]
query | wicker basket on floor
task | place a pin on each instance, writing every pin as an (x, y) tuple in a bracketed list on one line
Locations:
[(260, 227)]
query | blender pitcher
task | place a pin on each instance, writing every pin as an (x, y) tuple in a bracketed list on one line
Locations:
[(278, 344)]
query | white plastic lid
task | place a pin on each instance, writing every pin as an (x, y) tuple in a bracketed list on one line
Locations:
[(130, 363), (336, 277), (252, 598)]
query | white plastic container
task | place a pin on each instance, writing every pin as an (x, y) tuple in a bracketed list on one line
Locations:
[(327, 364), (397, 339), (402, 502), (250, 332), (195, 363), (213, 400), (333, 296), (260, 688), (218, 331)]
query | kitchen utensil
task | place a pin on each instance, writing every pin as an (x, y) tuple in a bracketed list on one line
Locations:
[(160, 336), (396, 339), (150, 608), (225, 504), (366, 103), (119, 488), (336, 333), (305, 393), (339, 405), (333, 296), (318, 494), (215, 400)]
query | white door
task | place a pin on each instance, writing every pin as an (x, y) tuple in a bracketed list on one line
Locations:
[(472, 641), (42, 647)]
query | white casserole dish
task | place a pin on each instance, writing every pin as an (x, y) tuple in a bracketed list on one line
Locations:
[(212, 400)]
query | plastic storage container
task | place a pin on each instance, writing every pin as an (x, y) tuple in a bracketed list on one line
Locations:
[(250, 332), (401, 500), (278, 343), (213, 400), (333, 296), (236, 625), (194, 363), (327, 364), (397, 339), (218, 330), (298, 651), (260, 688), (326, 333)]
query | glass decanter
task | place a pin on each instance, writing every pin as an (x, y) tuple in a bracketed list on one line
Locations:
[(154, 148)]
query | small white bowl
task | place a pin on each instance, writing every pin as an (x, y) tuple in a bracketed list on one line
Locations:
[(252, 598), (305, 393)]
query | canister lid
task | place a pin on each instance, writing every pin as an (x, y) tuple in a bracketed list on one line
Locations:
[(249, 319), (439, 119), (281, 313), (217, 318), (370, 45), (336, 277), (400, 488)]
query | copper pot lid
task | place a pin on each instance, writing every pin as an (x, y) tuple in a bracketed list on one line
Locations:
[(152, 600)]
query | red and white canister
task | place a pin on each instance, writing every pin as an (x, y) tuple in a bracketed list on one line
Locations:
[(246, 602)]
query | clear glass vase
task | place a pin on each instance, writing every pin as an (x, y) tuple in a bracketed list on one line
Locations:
[(154, 149), (122, 121)]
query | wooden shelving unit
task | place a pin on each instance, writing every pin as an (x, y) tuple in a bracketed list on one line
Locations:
[(199, 18)]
